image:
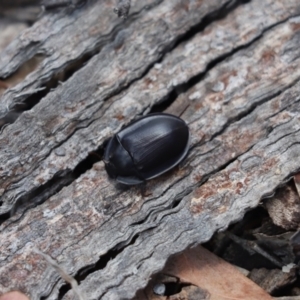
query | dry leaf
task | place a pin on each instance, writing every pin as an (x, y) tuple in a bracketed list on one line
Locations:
[(284, 207), (203, 275)]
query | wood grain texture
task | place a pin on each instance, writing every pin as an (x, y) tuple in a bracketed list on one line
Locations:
[(236, 80), (73, 103)]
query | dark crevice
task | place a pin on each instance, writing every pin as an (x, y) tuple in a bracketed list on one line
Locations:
[(88, 162), (123, 279), (290, 146), (27, 67), (251, 109), (52, 288), (153, 211), (102, 262), (39, 195), (184, 87), (173, 204), (62, 76), (57, 79), (75, 66), (177, 201), (63, 179), (217, 15), (282, 137), (99, 265), (11, 81), (25, 11), (222, 167), (245, 113), (169, 288)]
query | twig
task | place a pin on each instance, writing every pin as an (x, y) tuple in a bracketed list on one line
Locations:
[(64, 275)]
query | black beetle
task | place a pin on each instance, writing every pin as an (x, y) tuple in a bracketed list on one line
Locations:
[(146, 148)]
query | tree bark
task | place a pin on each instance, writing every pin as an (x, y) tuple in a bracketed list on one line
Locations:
[(230, 69)]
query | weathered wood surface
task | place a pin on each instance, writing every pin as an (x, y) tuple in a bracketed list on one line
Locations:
[(236, 76)]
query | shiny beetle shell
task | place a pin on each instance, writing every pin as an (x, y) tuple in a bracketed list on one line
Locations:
[(146, 148)]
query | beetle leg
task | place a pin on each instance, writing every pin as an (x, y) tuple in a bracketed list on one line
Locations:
[(129, 180)]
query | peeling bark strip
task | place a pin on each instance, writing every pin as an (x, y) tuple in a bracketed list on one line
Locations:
[(239, 80), (54, 37), (71, 106), (84, 117)]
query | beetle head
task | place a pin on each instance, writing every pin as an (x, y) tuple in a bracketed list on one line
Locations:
[(117, 160)]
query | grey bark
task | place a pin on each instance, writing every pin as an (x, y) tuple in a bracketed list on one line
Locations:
[(231, 70)]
